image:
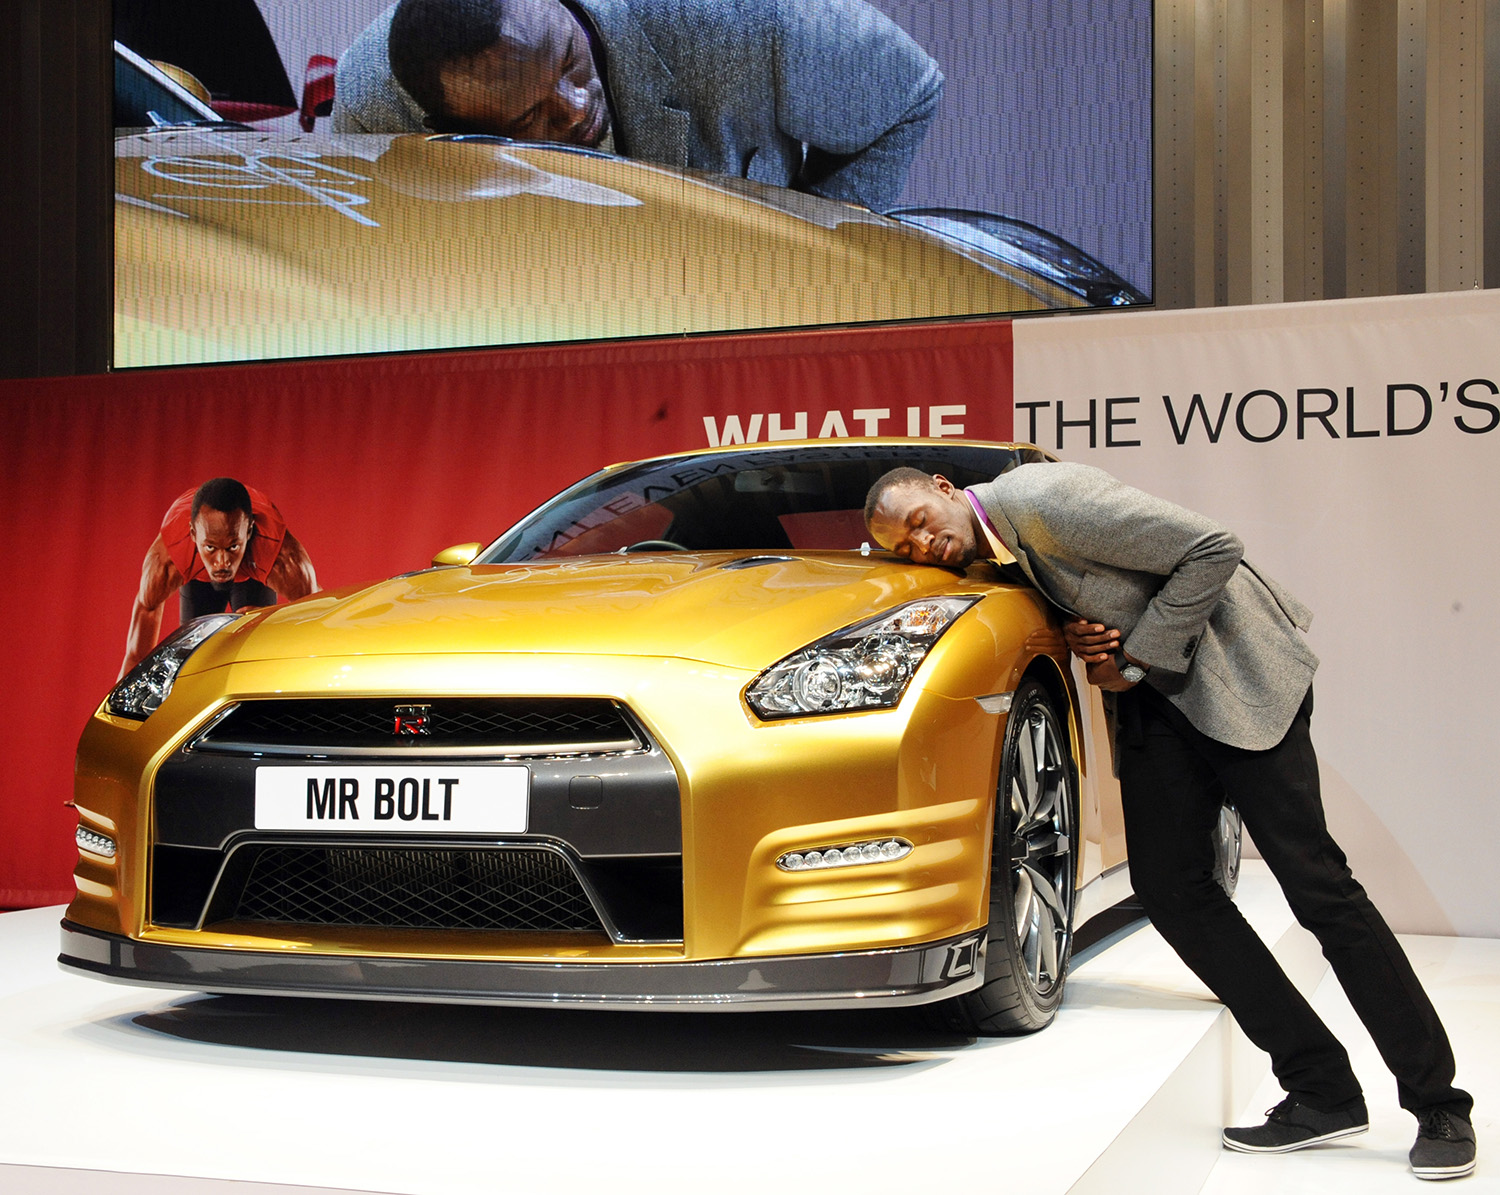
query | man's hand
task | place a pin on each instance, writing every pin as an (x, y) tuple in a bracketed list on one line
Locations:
[(1106, 674), (1096, 644), (1091, 642)]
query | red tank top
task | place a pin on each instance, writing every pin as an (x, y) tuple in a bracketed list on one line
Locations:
[(265, 539)]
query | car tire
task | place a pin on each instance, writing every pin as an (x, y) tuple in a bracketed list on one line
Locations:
[(1228, 839), (1033, 878)]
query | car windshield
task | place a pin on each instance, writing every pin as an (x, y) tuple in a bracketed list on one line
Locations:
[(143, 101), (743, 499)]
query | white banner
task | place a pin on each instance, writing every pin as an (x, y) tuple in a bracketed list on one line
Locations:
[(1353, 446)]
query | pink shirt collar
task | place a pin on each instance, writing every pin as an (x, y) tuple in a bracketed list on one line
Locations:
[(978, 510), (997, 546)]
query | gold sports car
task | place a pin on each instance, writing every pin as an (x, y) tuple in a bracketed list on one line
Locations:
[(677, 740)]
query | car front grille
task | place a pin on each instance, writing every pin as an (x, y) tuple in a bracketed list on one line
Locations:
[(396, 887), (511, 726)]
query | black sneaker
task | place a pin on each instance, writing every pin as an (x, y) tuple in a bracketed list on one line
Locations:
[(1291, 1125), (1445, 1145)]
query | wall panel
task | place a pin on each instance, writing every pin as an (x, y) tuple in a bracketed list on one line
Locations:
[(1344, 148)]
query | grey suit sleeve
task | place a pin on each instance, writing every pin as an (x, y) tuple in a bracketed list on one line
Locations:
[(366, 96), (858, 91), (1096, 517)]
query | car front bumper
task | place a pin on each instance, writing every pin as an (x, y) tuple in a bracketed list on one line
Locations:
[(851, 979)]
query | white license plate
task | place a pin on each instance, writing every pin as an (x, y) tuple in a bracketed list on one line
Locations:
[(410, 799)]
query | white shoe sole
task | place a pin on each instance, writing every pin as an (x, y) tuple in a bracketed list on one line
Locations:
[(1442, 1172), (1242, 1147)]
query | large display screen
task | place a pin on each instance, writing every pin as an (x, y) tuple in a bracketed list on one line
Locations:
[(320, 177)]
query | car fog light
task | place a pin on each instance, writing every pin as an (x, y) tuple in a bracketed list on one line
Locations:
[(883, 850), (95, 844)]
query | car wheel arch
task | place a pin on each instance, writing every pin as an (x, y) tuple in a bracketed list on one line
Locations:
[(1008, 1001)]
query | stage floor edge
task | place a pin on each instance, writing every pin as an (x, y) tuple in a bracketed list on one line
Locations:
[(130, 1091)]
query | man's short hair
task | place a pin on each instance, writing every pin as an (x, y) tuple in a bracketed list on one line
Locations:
[(902, 475), (223, 494), (428, 35)]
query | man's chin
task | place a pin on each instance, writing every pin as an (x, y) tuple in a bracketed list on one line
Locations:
[(956, 555), (223, 586), (595, 129)]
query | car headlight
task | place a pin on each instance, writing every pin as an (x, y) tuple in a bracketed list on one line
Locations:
[(146, 685), (863, 667)]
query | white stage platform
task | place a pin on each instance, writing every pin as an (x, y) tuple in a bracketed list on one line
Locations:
[(127, 1091)]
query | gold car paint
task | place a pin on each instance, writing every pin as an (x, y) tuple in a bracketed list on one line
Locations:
[(458, 554), (881, 776), (242, 245), (817, 781), (116, 768), (651, 604)]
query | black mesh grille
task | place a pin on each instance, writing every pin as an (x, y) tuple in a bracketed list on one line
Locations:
[(410, 888), (511, 723)]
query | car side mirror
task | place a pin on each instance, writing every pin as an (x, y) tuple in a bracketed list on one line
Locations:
[(458, 554)]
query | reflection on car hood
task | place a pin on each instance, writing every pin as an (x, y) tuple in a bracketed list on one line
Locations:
[(362, 242), (685, 604)]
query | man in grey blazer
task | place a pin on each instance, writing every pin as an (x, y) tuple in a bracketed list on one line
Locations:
[(1212, 690), (827, 96)]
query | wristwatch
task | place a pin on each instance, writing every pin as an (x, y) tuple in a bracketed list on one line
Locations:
[(1132, 674)]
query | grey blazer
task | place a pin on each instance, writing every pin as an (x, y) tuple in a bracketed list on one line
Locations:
[(828, 96), (1222, 638)]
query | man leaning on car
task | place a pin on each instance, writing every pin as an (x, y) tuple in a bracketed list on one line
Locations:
[(1213, 690), (826, 96)]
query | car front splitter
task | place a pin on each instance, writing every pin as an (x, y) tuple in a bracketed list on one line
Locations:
[(890, 977)]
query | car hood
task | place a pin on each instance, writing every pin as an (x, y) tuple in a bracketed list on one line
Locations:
[(221, 234), (730, 609)]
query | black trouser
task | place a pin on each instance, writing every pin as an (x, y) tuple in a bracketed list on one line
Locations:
[(1174, 779), (197, 598)]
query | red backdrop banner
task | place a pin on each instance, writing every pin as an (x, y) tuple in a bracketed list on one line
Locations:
[(376, 463)]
